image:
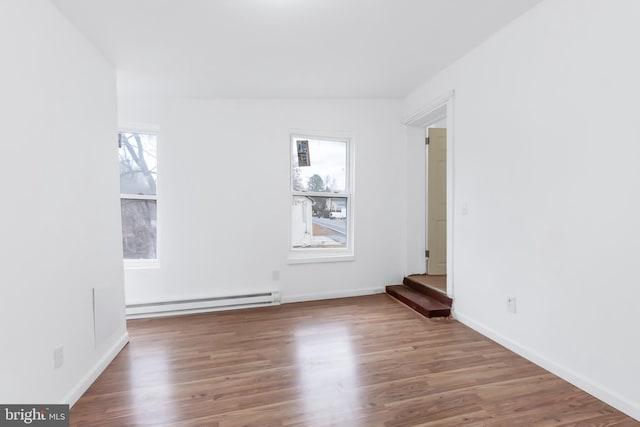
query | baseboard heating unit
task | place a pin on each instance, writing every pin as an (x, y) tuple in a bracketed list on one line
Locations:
[(201, 305)]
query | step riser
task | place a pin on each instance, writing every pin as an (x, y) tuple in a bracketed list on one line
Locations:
[(437, 312), (424, 312)]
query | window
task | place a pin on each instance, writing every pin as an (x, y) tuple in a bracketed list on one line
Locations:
[(321, 226), (138, 198)]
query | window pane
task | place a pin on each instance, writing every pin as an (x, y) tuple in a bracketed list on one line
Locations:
[(139, 229), (138, 163), (327, 165), (319, 222)]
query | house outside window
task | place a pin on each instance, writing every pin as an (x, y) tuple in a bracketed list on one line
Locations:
[(138, 195), (321, 199)]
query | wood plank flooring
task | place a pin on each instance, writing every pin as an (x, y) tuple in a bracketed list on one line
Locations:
[(366, 361)]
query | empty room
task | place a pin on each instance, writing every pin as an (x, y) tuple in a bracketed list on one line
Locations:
[(320, 213)]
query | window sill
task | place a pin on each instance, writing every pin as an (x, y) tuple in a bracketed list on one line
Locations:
[(141, 264), (302, 258)]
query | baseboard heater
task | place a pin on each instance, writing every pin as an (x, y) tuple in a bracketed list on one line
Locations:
[(201, 305)]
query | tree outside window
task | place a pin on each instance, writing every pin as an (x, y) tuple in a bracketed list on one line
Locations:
[(138, 182)]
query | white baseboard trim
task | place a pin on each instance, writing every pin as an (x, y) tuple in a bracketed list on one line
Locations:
[(597, 390), (332, 295), (83, 385)]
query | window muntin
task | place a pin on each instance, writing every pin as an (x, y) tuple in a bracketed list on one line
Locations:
[(320, 196), (138, 187)]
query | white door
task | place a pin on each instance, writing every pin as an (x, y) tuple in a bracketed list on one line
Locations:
[(437, 202)]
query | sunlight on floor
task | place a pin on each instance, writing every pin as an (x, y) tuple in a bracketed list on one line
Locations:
[(152, 382), (328, 374)]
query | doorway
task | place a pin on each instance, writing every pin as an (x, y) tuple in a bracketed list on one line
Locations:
[(436, 198), (435, 208), (437, 265)]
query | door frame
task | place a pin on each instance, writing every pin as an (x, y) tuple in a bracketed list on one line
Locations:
[(431, 113)]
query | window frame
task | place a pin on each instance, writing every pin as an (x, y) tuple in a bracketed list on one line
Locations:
[(315, 255), (132, 264)]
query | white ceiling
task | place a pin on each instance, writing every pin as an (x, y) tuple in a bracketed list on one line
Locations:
[(284, 48)]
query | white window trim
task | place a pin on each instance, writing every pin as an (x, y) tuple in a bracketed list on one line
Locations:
[(320, 255), (138, 264)]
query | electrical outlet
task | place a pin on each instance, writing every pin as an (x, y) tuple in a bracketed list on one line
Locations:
[(511, 304), (58, 357), (275, 275)]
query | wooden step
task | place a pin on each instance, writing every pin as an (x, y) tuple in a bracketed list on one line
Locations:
[(419, 301), (428, 291)]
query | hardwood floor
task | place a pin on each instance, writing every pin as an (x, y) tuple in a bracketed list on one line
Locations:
[(366, 361)]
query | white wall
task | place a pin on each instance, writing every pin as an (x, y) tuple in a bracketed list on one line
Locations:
[(59, 224), (547, 148), (223, 188)]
